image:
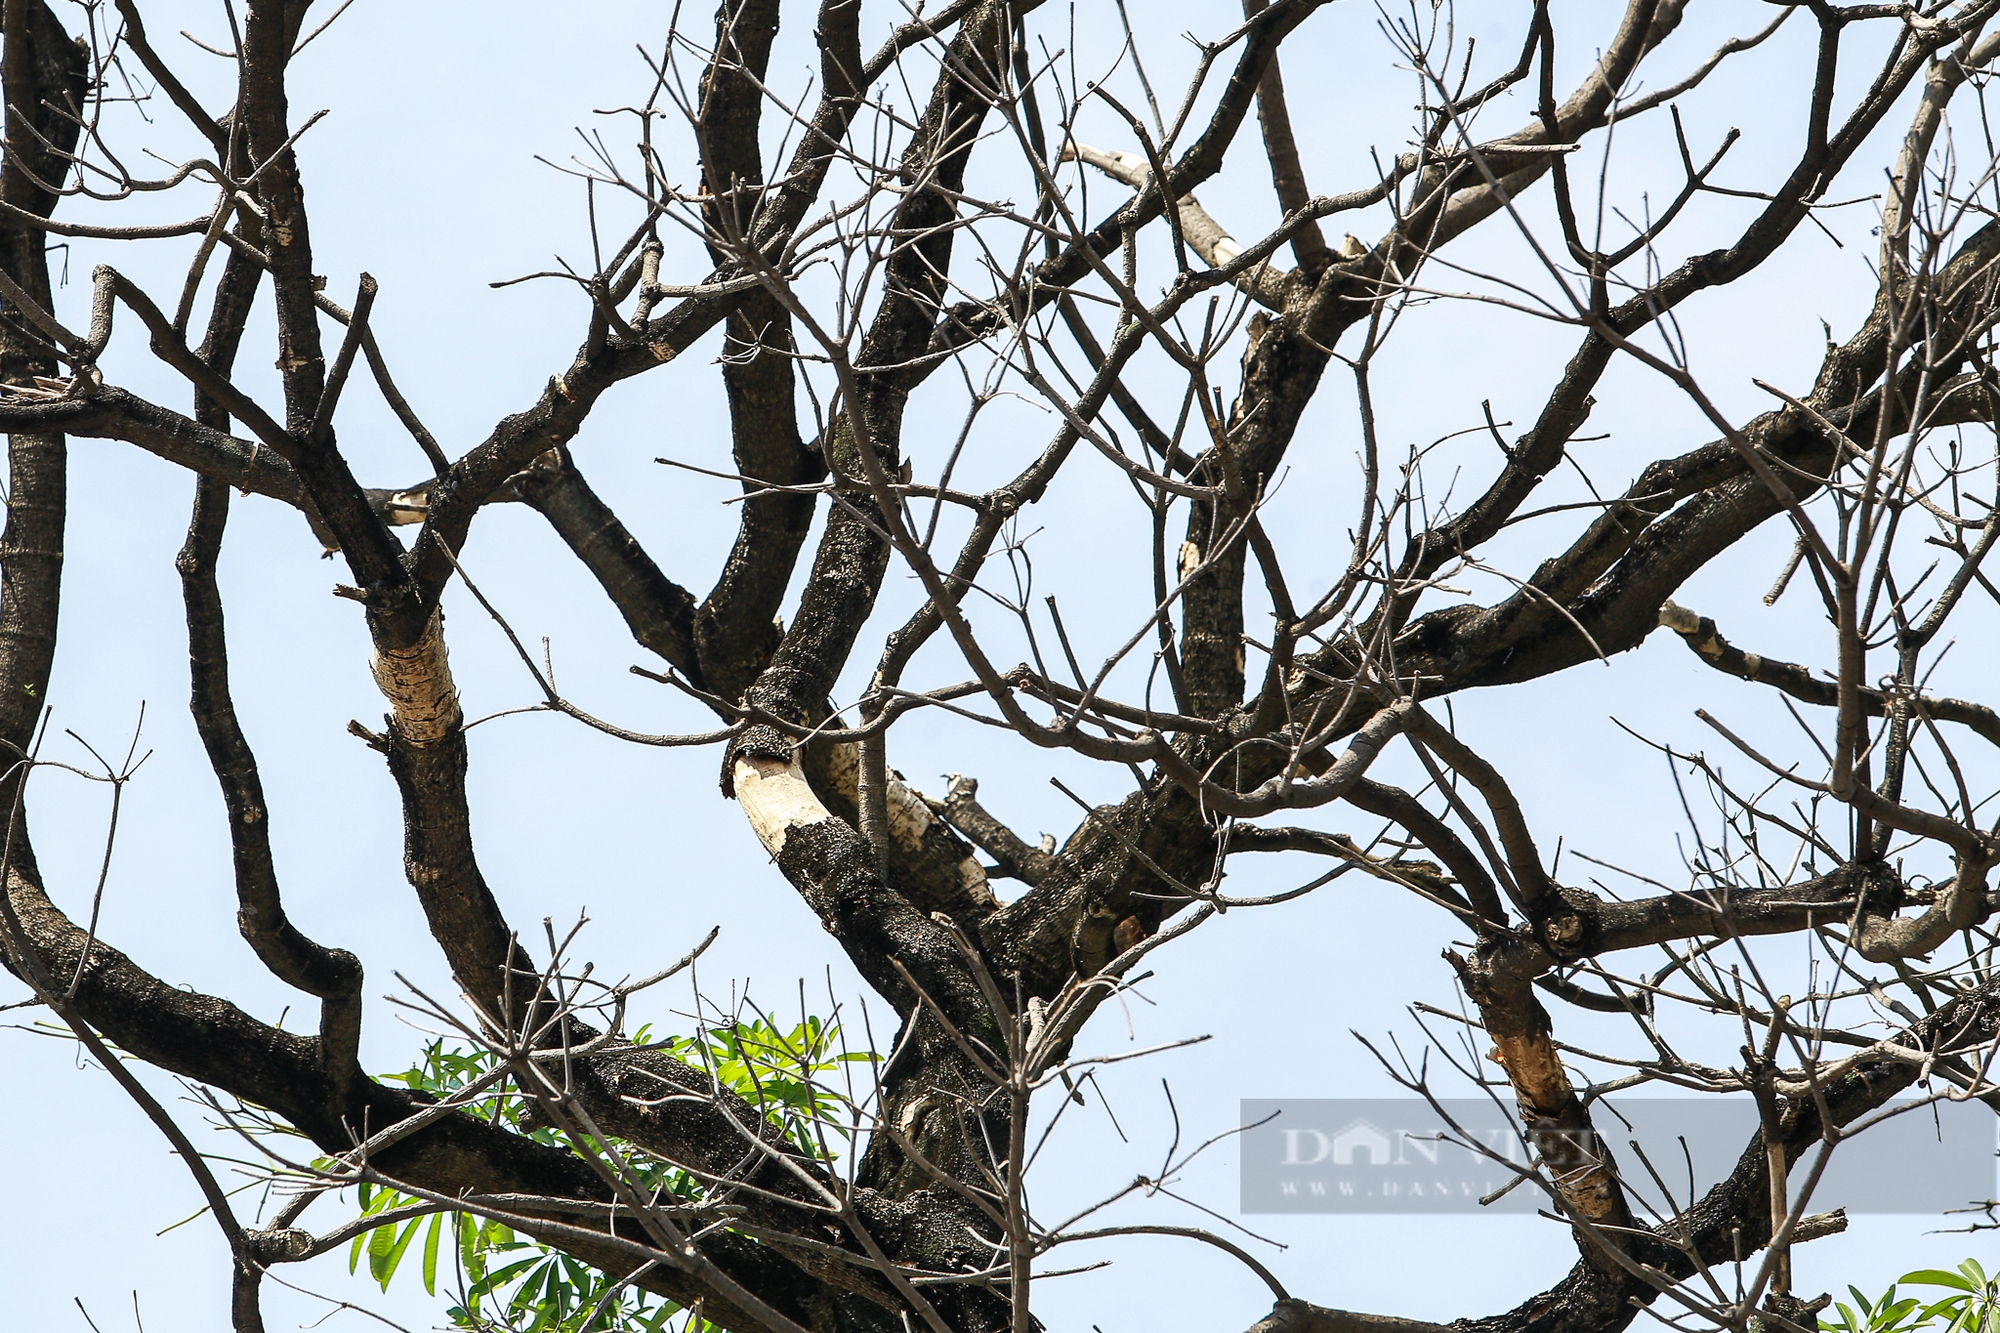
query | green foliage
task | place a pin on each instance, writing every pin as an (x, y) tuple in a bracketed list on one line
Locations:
[(777, 1072), (516, 1283), (551, 1292), (1971, 1305)]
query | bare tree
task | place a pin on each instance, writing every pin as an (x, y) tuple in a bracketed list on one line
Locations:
[(970, 246)]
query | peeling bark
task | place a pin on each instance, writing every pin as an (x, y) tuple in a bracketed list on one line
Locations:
[(417, 683)]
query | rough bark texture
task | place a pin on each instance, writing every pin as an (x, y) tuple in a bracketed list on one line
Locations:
[(871, 298)]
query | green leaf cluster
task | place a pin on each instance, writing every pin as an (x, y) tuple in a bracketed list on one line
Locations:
[(1971, 1304), (514, 1282), (779, 1073)]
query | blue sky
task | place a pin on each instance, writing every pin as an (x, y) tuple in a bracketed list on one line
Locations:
[(425, 175)]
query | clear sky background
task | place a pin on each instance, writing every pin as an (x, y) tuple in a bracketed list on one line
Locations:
[(425, 174)]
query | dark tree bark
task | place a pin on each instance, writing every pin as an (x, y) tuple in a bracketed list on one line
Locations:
[(938, 237)]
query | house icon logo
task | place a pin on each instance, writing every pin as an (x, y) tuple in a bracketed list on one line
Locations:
[(1361, 1143)]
